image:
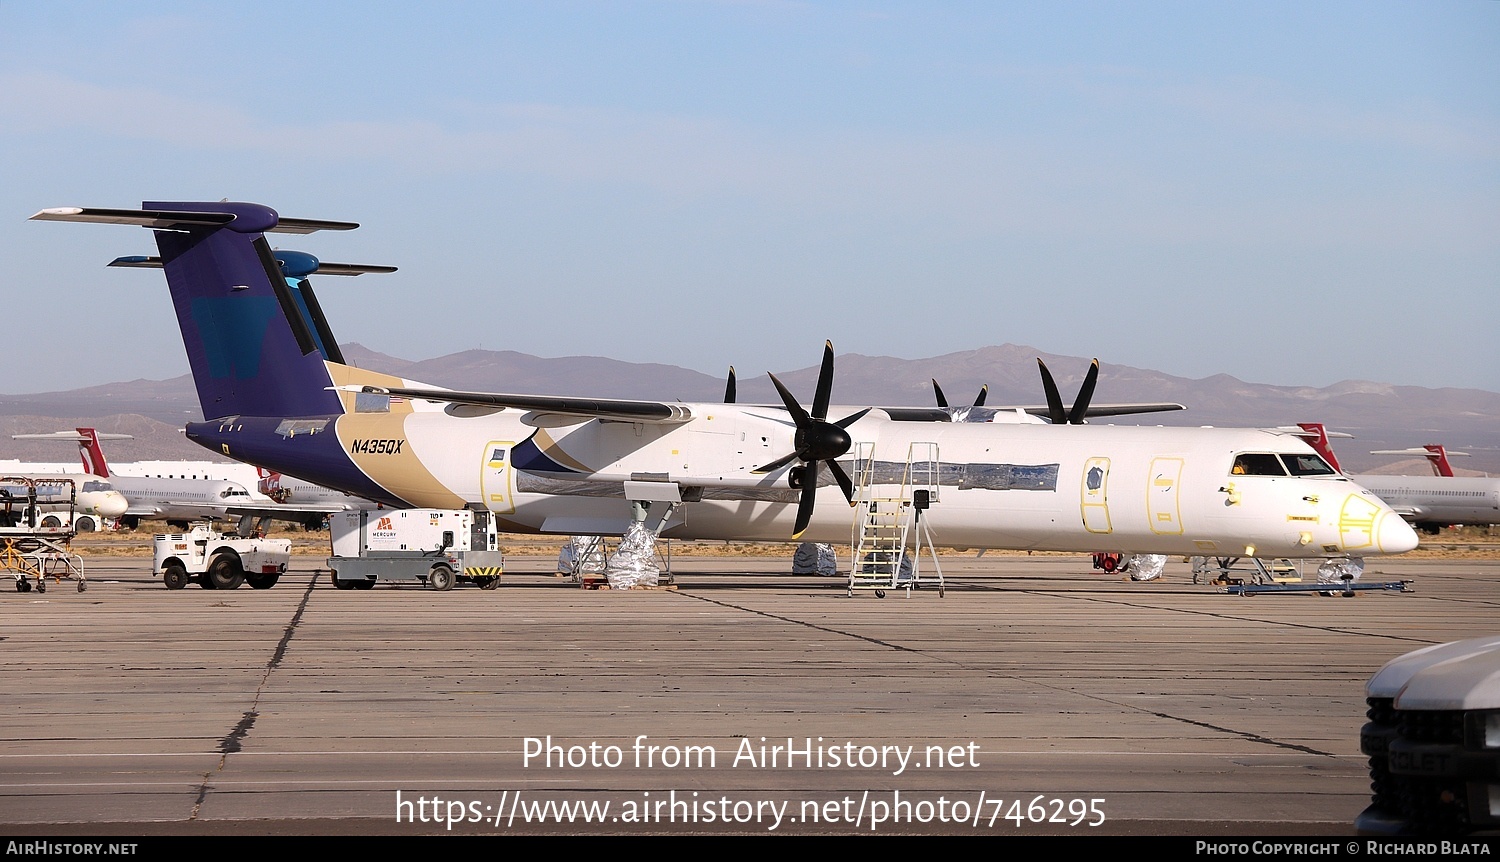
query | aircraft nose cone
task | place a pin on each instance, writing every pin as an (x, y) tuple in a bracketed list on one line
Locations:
[(1394, 535), (105, 504)]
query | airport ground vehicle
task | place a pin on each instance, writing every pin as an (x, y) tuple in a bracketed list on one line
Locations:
[(81, 522), (220, 561), (1433, 739), (33, 548), (436, 547)]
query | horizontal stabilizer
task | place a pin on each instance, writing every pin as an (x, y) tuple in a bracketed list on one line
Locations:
[(322, 267), (658, 412), (168, 219), (70, 437), (1415, 450), (1299, 431)]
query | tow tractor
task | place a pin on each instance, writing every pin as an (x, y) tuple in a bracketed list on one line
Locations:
[(222, 561)]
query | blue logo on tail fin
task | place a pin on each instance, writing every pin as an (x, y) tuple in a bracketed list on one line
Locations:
[(233, 329)]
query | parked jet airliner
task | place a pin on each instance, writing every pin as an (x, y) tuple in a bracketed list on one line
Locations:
[(181, 499), (1430, 503), (278, 394)]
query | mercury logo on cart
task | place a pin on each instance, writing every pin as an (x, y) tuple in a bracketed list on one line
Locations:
[(377, 447)]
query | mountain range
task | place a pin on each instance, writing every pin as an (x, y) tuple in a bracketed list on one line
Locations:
[(1379, 415)]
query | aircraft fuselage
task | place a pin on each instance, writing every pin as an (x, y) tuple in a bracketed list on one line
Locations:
[(1107, 488)]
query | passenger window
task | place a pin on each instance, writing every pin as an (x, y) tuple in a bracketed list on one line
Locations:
[(1257, 464)]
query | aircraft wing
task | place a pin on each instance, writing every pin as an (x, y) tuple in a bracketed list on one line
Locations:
[(1115, 409), (985, 414), (660, 412), (282, 511), (297, 513)]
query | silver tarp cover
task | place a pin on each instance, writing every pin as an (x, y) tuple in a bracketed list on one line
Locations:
[(581, 555), (1333, 571), (1147, 567), (633, 564), (815, 558)]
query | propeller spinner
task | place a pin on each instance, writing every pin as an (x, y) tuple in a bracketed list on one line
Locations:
[(817, 440)]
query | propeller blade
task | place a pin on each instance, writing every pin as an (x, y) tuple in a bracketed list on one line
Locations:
[(799, 416), (806, 500), (825, 383), (777, 464), (1055, 412), (729, 387), (850, 420), (1085, 395), (843, 479), (938, 391), (984, 392)]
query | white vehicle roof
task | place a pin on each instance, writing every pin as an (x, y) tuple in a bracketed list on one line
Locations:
[(1461, 675)]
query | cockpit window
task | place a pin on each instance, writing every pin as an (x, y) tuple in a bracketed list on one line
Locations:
[(1257, 464), (1307, 465), (96, 486)]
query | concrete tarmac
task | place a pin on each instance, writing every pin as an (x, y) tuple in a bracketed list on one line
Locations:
[(1036, 697)]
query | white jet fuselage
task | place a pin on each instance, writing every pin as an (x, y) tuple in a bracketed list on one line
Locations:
[(1439, 501)]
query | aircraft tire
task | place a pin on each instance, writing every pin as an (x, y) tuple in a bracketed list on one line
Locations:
[(174, 576), (440, 578), (225, 573)]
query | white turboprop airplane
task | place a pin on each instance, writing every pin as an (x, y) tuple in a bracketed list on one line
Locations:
[(1430, 503), (278, 394)]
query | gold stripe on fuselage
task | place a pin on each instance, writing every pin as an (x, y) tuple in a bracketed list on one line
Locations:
[(378, 446)]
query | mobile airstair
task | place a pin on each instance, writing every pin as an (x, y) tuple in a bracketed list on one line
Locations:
[(889, 532)]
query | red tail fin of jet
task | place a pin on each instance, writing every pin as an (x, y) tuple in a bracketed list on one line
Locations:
[(1438, 457), (1317, 437), (91, 453)]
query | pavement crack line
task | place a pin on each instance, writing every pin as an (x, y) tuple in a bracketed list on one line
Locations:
[(1242, 734), (231, 742)]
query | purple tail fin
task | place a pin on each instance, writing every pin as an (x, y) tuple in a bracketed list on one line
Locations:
[(253, 347)]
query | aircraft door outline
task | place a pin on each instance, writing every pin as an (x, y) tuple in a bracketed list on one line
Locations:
[(497, 479), (1164, 496), (1094, 496)]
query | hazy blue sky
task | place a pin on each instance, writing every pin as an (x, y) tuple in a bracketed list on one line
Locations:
[(1291, 193)]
